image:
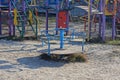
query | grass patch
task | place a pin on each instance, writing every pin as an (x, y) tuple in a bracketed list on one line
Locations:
[(76, 57), (114, 42), (95, 40)]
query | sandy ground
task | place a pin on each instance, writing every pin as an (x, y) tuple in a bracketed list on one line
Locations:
[(20, 61)]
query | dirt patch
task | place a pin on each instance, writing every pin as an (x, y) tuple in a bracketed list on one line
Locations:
[(75, 57)]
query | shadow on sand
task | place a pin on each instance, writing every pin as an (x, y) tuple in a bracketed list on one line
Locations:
[(36, 62), (5, 65)]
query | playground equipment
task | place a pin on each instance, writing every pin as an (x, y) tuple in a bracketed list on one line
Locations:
[(94, 12), (20, 16), (98, 13), (62, 16), (101, 15), (111, 11), (100, 10), (118, 19), (62, 24), (52, 38)]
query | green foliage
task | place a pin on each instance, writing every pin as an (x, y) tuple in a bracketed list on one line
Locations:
[(76, 57), (114, 42)]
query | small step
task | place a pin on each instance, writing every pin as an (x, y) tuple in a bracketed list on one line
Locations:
[(98, 12), (21, 20), (33, 6), (19, 25), (6, 11), (22, 16), (29, 30)]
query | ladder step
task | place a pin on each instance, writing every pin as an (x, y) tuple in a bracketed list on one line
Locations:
[(29, 30), (19, 26), (21, 20), (6, 11), (33, 5), (21, 16)]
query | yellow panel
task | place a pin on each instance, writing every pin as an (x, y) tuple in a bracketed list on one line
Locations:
[(110, 13)]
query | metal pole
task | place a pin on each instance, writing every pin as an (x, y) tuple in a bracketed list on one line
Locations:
[(0, 21), (103, 21), (83, 43), (61, 38), (23, 23), (67, 17), (100, 20), (10, 20), (47, 17), (13, 26), (89, 19), (57, 12), (49, 49), (113, 27)]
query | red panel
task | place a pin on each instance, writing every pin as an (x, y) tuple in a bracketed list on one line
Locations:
[(62, 19)]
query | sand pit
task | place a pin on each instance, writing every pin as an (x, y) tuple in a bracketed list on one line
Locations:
[(20, 61)]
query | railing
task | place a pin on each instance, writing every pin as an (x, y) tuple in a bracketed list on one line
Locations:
[(34, 18), (51, 35), (24, 16), (13, 4)]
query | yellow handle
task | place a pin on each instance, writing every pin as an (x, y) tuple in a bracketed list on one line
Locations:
[(15, 17), (30, 17)]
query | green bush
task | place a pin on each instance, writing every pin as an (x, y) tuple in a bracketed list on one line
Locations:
[(75, 57), (114, 42)]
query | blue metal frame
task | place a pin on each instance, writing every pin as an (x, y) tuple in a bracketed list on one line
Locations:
[(52, 1), (52, 36), (61, 38)]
